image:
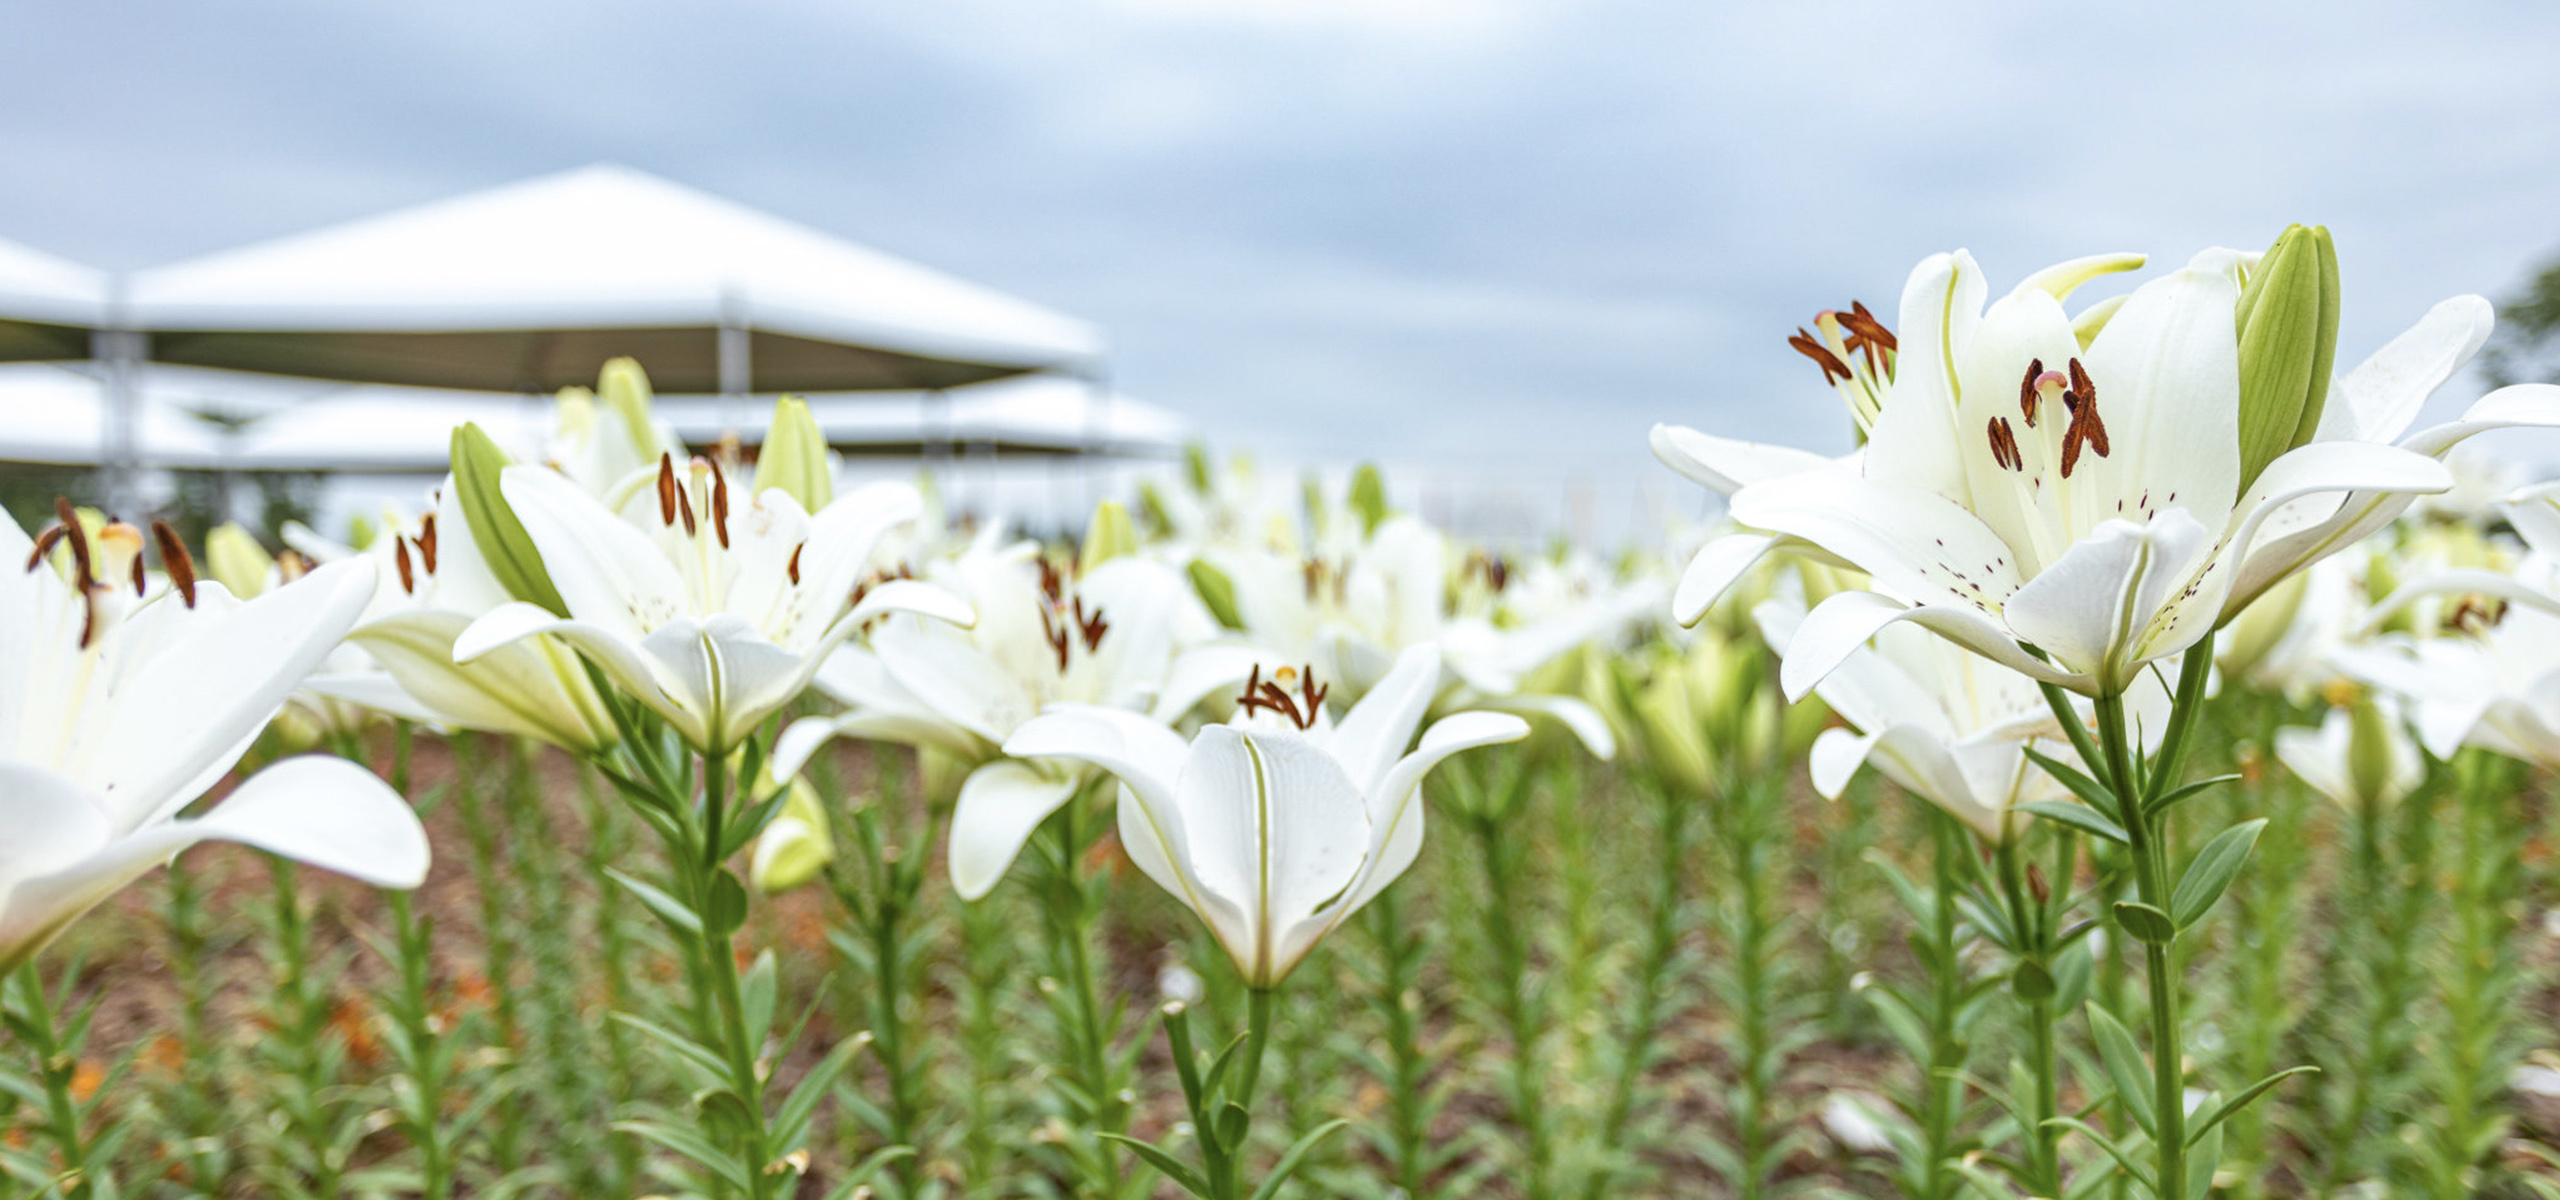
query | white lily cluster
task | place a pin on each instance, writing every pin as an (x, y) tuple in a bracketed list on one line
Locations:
[(125, 697)]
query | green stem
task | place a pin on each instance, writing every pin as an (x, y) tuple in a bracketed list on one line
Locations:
[(1397, 995), (58, 1065), (1086, 1064), (720, 963), (2034, 947), (1942, 1100), (1257, 1041), (1515, 1001), (1636, 1052), (2151, 886)]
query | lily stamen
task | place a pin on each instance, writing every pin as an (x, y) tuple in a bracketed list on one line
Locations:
[(666, 489), (400, 555), (83, 576), (45, 542), (182, 568), (2004, 445), (1273, 694), (2081, 399), (720, 503), (426, 541)]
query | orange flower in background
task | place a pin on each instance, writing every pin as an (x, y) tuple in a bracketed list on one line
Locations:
[(85, 1079), (165, 1054), (352, 1020)]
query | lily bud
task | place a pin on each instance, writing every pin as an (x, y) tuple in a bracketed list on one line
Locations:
[(1369, 497), (796, 846), (2261, 627), (2380, 580), (477, 463), (2371, 757), (1195, 464), (793, 459), (1109, 535), (624, 388), (2288, 328), (1675, 741), (1217, 591), (236, 561)]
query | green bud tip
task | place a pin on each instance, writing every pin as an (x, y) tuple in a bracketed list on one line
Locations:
[(1110, 535), (478, 464), (1369, 497), (2287, 321), (793, 459)]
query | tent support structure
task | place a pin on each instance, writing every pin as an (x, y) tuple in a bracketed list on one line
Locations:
[(119, 351), (736, 363)]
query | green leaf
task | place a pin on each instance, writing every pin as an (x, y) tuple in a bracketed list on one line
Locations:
[(2078, 816), (683, 1047), (691, 1144), (727, 906), (2125, 1066), (870, 1168), (2213, 870), (1172, 1168), (2031, 982), (2178, 796), (757, 993), (2146, 924), (2114, 1151), (2099, 796), (2231, 1107), (791, 1120), (477, 466), (2204, 1153), (668, 908), (1292, 1157)]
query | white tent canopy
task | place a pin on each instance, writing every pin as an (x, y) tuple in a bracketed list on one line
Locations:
[(48, 305), (530, 286), (56, 414)]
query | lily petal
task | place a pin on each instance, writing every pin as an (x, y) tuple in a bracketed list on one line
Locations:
[(2384, 392), (1000, 804), (1838, 626), (1377, 729), (1718, 566), (2093, 608), (1274, 864), (1727, 465)]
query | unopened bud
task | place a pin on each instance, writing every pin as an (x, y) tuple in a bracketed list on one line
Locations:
[(793, 459), (235, 560), (503, 543), (2288, 329), (1109, 535), (1369, 497)]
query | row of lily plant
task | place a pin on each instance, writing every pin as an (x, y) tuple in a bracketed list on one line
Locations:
[(2009, 602)]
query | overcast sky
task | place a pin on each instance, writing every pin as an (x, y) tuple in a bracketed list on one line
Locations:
[(1471, 235)]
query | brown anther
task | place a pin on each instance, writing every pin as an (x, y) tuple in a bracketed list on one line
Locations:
[(175, 561), (1301, 709), (684, 509), (139, 582), (2475, 615), (45, 542), (1053, 587), (1091, 627), (291, 565), (2027, 390), (2086, 427), (1822, 357), (2004, 446), (720, 504), (1059, 639), (426, 540), (666, 489), (408, 575), (83, 575), (792, 568), (1865, 326), (2036, 885)]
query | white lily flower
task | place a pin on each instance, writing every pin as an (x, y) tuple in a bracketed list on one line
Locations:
[(1351, 617), (1943, 724), (2026, 488), (2361, 756), (116, 712), (712, 618), (399, 659), (1127, 634), (1278, 825), (2492, 679)]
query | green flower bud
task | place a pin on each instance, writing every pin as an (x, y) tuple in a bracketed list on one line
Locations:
[(1195, 463), (2369, 752), (796, 846), (1108, 536), (2288, 327), (1369, 497), (1217, 591), (361, 532), (793, 459), (1675, 742), (2262, 626), (233, 557), (624, 388), (477, 463)]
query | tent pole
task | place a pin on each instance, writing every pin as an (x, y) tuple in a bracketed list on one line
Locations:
[(736, 370), (119, 349)]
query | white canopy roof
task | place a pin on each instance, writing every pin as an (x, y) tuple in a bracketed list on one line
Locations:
[(47, 304), (56, 414), (530, 286)]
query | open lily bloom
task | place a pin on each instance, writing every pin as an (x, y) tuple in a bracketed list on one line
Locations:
[(117, 711), (1945, 725), (2490, 675), (1352, 616), (431, 585), (1127, 634), (2033, 483), (712, 617), (2361, 756), (1279, 824)]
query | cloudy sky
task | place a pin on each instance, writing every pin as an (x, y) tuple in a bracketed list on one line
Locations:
[(1486, 238)]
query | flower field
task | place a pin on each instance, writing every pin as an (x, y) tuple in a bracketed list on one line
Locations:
[(2125, 774)]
